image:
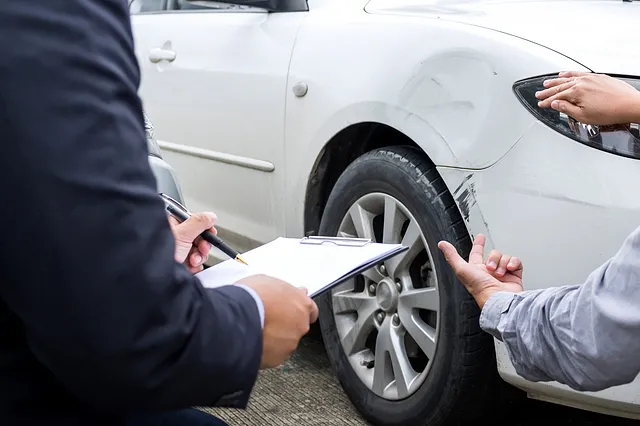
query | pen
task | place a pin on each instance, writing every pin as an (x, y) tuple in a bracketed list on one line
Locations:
[(181, 214)]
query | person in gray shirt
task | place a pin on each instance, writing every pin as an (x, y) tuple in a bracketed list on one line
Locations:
[(585, 336)]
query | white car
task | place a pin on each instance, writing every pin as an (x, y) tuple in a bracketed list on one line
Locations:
[(403, 121)]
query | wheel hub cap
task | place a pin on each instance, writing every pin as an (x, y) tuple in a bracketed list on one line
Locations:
[(387, 295)]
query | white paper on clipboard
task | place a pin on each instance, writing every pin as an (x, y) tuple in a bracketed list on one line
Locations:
[(317, 263)]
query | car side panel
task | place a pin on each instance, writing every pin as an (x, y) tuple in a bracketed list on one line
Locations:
[(218, 108), (447, 86)]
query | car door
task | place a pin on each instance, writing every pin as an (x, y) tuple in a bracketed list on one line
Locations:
[(214, 81)]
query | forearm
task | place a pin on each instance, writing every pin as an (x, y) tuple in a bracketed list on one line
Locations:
[(583, 336), (540, 342)]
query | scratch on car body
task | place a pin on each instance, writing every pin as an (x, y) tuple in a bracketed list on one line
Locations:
[(465, 196)]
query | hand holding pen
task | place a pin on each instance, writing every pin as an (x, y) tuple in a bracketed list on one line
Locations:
[(181, 214), (190, 248)]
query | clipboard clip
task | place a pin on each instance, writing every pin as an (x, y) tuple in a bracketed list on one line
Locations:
[(338, 241)]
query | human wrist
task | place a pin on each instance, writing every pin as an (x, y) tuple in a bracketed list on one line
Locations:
[(631, 109), (484, 295), (257, 299)]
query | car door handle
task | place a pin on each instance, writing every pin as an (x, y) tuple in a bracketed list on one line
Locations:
[(157, 54)]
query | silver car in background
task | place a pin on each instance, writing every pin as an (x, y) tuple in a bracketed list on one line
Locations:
[(165, 176)]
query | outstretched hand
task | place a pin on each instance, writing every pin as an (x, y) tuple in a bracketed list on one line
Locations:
[(483, 278)]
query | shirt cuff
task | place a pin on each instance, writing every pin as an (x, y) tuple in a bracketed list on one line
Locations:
[(494, 307), (259, 303)]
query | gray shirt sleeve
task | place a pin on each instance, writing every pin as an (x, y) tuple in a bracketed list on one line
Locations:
[(585, 336)]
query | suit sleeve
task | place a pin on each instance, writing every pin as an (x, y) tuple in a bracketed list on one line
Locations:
[(585, 336), (87, 259)]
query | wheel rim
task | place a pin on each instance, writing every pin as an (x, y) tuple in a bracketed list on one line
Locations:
[(387, 319)]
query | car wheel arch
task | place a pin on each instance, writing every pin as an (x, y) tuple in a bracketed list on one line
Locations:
[(335, 156)]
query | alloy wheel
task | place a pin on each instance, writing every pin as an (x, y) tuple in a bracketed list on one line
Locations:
[(387, 319)]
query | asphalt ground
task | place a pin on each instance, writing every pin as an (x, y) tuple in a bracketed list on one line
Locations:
[(305, 392)]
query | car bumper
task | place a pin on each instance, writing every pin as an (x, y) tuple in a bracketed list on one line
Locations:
[(564, 208)]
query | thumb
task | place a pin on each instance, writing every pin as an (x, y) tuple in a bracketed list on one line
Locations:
[(465, 272), (456, 262), (191, 228), (468, 274)]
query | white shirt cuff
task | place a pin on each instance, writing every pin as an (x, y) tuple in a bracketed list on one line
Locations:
[(259, 303)]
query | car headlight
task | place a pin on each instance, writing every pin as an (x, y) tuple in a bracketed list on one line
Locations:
[(619, 139)]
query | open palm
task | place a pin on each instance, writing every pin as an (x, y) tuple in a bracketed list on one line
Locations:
[(483, 277)]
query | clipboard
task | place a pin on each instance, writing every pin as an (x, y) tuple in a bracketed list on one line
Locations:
[(318, 263), (340, 241), (349, 242)]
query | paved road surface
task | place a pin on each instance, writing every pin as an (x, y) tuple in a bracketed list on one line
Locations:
[(304, 392)]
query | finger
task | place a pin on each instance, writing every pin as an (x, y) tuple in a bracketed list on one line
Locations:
[(199, 252), (568, 95), (313, 315), (573, 74), (173, 222), (203, 246), (515, 267), (493, 260), (502, 266), (568, 108), (553, 82), (191, 228), (514, 264), (467, 273), (304, 290), (451, 255), (476, 256), (196, 259), (553, 91)]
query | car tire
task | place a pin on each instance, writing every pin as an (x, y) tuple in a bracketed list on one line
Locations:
[(462, 371)]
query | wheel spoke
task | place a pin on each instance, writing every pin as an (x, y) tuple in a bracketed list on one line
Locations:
[(383, 370), (392, 363), (412, 239), (423, 334), (422, 298), (402, 369), (373, 274), (393, 219), (362, 221), (365, 307)]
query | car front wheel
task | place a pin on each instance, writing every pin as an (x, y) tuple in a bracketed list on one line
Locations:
[(403, 337)]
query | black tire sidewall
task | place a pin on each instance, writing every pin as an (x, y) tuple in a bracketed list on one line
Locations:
[(371, 173)]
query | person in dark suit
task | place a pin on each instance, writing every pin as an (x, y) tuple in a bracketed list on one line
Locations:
[(99, 325)]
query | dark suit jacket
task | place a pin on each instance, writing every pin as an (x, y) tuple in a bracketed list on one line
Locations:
[(96, 317)]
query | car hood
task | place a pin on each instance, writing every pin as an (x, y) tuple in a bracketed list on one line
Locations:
[(599, 34)]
